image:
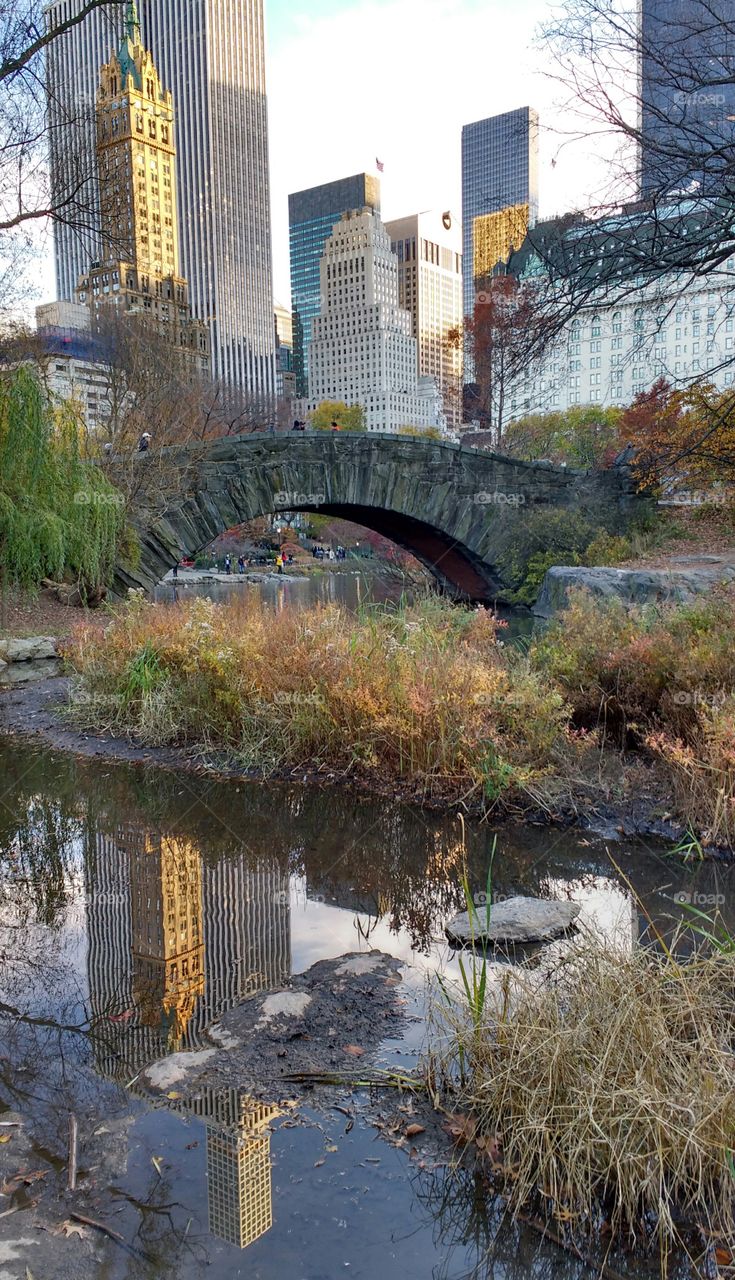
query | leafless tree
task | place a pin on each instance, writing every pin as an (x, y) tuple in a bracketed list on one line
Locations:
[(656, 78), (29, 130)]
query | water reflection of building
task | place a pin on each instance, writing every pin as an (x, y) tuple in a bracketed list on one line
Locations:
[(175, 941), (166, 927), (238, 1164)]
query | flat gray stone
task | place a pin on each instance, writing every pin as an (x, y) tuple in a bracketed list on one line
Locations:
[(176, 1069), (632, 586), (30, 650), (515, 920)]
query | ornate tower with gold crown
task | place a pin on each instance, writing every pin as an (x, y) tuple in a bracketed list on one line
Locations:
[(139, 268)]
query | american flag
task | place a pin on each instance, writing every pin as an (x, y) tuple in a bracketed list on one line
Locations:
[(379, 165)]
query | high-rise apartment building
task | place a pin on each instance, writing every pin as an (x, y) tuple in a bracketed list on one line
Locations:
[(686, 95), (362, 349), (428, 247), (312, 215), (210, 54), (138, 268), (499, 191)]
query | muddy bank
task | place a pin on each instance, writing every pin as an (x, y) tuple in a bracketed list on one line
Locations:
[(323, 1028), (630, 801)]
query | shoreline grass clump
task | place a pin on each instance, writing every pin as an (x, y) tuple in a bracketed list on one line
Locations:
[(662, 678), (422, 696), (603, 1094)]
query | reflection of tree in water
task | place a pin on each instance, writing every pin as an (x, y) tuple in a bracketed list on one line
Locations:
[(469, 1216)]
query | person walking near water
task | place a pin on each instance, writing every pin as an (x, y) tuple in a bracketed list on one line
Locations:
[(279, 563), (240, 564), (228, 565)]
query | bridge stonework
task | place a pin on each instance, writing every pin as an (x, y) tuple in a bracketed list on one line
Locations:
[(458, 510)]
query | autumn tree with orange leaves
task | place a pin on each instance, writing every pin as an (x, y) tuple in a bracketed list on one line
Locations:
[(682, 436)]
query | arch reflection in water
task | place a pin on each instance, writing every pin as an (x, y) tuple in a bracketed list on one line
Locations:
[(175, 940)]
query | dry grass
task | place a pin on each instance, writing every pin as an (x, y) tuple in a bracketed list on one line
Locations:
[(606, 1091), (422, 697)]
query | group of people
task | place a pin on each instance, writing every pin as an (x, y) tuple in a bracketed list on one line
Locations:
[(328, 553), (283, 557)]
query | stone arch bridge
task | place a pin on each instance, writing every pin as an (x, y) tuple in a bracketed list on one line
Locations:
[(458, 510)]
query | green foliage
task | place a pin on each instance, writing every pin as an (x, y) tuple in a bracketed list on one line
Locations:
[(584, 436), (542, 539), (428, 433), (607, 549), (348, 417), (58, 515)]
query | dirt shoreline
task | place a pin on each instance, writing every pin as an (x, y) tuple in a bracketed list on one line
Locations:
[(32, 712)]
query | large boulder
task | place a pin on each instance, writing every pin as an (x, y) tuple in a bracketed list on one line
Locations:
[(30, 650), (688, 577), (514, 921)]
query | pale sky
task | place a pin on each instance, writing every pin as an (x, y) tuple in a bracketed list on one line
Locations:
[(350, 81)]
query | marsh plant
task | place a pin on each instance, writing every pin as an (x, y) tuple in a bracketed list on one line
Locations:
[(601, 1092)]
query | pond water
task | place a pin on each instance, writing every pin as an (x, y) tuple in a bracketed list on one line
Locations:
[(257, 882), (350, 588)]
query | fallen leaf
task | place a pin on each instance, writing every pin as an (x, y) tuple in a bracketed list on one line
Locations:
[(157, 1162), (5, 1137), (354, 1050), (331, 1148), (319, 1163), (413, 1129), (723, 1256), (69, 1228), (173, 1095), (461, 1128)]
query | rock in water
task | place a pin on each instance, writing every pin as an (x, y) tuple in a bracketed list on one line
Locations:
[(516, 920), (30, 650)]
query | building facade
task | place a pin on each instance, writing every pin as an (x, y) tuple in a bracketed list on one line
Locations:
[(630, 330), (138, 268), (499, 191), (312, 215), (210, 53), (428, 247), (285, 376), (686, 95), (72, 361), (362, 349)]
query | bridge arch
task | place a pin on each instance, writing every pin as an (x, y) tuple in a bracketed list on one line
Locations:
[(457, 509)]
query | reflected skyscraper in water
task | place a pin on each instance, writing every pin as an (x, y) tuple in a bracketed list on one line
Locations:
[(238, 1163), (174, 941)]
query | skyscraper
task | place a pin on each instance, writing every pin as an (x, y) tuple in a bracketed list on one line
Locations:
[(362, 350), (138, 269), (687, 95), (499, 191), (311, 216), (429, 251), (210, 53)]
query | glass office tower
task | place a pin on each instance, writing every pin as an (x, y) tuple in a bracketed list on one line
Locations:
[(499, 191), (311, 217), (687, 96)]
